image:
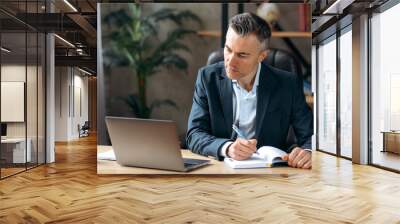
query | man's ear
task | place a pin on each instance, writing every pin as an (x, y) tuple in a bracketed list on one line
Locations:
[(262, 55)]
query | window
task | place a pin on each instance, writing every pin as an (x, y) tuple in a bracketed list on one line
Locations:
[(346, 93), (385, 88), (327, 96)]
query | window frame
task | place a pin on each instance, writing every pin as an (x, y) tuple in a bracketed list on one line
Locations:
[(333, 37)]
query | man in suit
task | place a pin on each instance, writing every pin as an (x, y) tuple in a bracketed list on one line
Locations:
[(263, 102)]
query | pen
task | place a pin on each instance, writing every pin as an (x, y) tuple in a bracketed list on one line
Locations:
[(240, 134)]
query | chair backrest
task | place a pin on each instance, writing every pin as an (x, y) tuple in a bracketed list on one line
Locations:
[(283, 60), (86, 125), (277, 58)]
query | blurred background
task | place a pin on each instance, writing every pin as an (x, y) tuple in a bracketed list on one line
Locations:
[(137, 86), (66, 64)]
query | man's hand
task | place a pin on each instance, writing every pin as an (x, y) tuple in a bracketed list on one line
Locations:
[(242, 149), (299, 158)]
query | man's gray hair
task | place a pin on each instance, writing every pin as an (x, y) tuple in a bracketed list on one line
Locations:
[(249, 23)]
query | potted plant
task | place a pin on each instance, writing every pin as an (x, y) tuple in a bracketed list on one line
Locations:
[(134, 43)]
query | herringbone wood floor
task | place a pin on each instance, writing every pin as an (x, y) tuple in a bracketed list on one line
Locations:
[(70, 191)]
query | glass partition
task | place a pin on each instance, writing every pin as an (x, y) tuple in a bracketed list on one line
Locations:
[(13, 109), (22, 77)]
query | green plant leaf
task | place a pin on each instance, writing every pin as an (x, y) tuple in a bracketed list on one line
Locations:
[(116, 18), (178, 17), (176, 61), (134, 42), (132, 101), (139, 110)]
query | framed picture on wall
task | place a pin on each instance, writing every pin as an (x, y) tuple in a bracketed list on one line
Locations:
[(12, 101)]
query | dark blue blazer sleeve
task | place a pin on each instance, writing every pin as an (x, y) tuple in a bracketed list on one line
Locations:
[(199, 136), (301, 116)]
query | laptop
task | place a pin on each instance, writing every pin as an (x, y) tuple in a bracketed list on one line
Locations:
[(148, 143)]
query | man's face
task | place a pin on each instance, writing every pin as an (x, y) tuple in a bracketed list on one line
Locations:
[(242, 55)]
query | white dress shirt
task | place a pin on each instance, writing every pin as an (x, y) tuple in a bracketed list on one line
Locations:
[(244, 109)]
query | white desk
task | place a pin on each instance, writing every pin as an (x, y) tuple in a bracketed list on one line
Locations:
[(18, 150), (215, 167)]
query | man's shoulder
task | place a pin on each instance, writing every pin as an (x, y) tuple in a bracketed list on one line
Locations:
[(212, 70), (281, 75)]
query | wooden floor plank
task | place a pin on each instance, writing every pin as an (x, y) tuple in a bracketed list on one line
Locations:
[(70, 191)]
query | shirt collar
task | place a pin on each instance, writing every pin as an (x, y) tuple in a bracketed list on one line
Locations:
[(256, 81)]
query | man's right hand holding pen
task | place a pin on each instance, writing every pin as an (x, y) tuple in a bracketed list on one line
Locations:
[(241, 148)]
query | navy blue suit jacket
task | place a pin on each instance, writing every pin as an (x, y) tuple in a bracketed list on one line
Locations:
[(280, 103)]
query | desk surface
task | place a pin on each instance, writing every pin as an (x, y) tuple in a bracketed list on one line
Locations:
[(390, 132), (13, 140), (215, 167)]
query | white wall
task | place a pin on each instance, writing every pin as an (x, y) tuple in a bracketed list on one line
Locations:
[(80, 103), (16, 73), (33, 126), (61, 103), (71, 94)]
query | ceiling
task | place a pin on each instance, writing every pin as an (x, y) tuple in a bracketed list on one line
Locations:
[(328, 16), (72, 20)]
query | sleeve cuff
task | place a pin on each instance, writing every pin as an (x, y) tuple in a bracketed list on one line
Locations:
[(223, 149), (304, 147)]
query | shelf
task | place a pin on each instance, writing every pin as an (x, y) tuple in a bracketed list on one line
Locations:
[(294, 34)]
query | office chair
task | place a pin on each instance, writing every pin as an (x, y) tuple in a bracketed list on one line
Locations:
[(277, 58), (84, 130)]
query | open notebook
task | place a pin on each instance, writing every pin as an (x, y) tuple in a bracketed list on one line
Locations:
[(267, 156)]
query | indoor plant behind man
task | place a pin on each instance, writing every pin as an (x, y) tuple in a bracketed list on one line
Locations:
[(261, 100)]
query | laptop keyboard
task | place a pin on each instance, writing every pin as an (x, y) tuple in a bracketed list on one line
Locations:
[(191, 162)]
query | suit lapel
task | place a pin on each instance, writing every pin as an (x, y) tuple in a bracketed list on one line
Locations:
[(225, 93), (266, 87)]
